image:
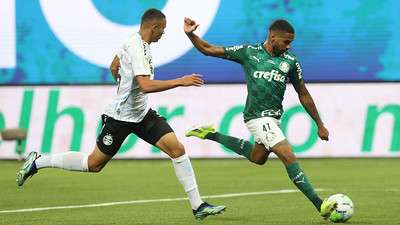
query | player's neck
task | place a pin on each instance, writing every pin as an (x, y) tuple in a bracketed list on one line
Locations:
[(268, 47), (145, 35)]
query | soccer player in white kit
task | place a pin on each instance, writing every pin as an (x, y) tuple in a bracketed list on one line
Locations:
[(130, 113)]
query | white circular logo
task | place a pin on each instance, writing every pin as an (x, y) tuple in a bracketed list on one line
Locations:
[(284, 67), (108, 139), (270, 136), (94, 38)]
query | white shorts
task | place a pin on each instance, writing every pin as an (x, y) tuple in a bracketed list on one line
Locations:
[(266, 131)]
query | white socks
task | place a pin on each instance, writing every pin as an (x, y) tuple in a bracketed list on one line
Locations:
[(185, 174), (76, 161)]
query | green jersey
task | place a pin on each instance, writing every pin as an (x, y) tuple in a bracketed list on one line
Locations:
[(266, 78)]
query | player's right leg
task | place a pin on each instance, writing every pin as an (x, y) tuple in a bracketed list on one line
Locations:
[(28, 169), (73, 161), (256, 153), (109, 141)]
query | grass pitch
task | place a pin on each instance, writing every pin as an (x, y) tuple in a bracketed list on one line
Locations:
[(372, 184)]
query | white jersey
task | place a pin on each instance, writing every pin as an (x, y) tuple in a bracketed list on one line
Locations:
[(130, 104)]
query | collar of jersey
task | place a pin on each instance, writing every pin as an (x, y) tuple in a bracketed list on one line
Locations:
[(269, 54), (140, 37), (266, 51)]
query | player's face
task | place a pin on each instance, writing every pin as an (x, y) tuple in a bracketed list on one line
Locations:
[(158, 30), (281, 42)]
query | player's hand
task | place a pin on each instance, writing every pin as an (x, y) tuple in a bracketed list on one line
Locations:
[(191, 80), (323, 133), (189, 25)]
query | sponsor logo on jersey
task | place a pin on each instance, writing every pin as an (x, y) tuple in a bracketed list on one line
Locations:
[(271, 112), (284, 67), (299, 71), (234, 48), (269, 76), (256, 48), (108, 139), (287, 56)]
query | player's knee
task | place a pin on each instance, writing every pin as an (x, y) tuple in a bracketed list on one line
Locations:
[(95, 169), (259, 157), (284, 151), (177, 151), (288, 157), (259, 161)]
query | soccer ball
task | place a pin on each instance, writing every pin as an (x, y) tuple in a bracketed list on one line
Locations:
[(343, 210)]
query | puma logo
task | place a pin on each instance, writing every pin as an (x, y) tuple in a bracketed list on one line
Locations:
[(300, 181), (297, 180), (257, 59)]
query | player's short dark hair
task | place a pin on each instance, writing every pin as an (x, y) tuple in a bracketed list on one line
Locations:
[(281, 25), (151, 15)]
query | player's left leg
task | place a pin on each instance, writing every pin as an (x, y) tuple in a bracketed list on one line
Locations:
[(266, 130), (284, 152), (155, 130), (185, 174), (296, 174)]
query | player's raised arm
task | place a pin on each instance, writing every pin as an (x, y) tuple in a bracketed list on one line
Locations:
[(204, 47), (149, 86), (308, 103)]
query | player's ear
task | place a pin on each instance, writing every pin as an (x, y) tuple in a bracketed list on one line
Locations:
[(154, 24), (271, 35)]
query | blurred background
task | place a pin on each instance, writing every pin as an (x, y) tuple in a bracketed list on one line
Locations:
[(55, 82)]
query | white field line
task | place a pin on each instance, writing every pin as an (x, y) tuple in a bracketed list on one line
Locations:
[(151, 200)]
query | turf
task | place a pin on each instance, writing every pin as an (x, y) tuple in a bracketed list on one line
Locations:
[(373, 185)]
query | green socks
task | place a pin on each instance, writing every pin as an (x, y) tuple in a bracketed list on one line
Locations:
[(294, 171), (299, 179), (237, 145)]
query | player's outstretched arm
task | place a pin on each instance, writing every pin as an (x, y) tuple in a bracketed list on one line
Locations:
[(189, 26), (149, 86), (114, 67), (308, 103)]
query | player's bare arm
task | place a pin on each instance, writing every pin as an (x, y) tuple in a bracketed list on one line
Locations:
[(308, 103), (189, 26), (114, 67), (149, 86)]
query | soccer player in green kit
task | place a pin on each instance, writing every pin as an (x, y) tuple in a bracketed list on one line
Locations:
[(268, 67)]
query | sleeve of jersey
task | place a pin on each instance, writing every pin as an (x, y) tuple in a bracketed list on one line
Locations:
[(296, 73), (235, 53), (140, 65)]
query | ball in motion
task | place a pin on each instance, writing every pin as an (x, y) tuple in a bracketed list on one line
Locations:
[(344, 208)]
